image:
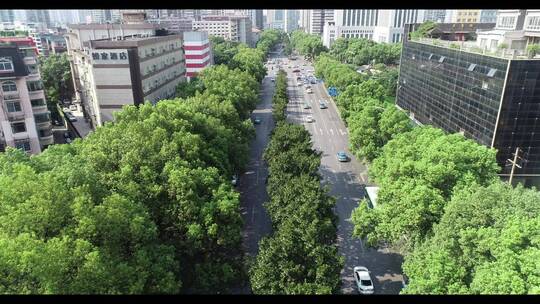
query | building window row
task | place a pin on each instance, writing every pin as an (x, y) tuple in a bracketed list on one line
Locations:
[(23, 145), (506, 22), (9, 86), (13, 106), (34, 85)]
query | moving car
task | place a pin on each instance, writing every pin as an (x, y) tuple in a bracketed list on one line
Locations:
[(299, 84), (70, 117), (306, 105), (322, 105), (234, 180), (342, 156), (296, 71), (273, 79), (309, 118), (313, 80), (309, 91), (257, 120), (363, 280)]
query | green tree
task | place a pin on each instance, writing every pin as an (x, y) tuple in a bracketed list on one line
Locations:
[(485, 243), (57, 80), (189, 89)]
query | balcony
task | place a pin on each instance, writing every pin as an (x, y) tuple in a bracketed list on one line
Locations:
[(11, 96), (46, 140), (15, 116)]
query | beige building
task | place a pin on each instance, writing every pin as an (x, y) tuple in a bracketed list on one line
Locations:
[(233, 28), (123, 64), (24, 118)]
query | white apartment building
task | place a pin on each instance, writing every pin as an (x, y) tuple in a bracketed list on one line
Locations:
[(378, 25), (305, 20), (515, 28), (122, 64), (24, 118), (233, 28)]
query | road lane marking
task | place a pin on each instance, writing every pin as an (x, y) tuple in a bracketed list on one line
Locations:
[(362, 177), (321, 131), (332, 131)]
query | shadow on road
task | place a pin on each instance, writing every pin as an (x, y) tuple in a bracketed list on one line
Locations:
[(385, 266)]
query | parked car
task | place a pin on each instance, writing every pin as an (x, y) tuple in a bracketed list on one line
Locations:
[(309, 118), (342, 156), (234, 180), (70, 117), (363, 280), (73, 107), (296, 71)]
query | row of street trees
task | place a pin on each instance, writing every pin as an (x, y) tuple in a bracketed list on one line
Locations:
[(142, 205), (360, 51), (307, 45), (440, 203), (301, 256), (57, 81)]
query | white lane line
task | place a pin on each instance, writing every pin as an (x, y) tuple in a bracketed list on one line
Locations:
[(332, 131), (362, 177), (321, 131)]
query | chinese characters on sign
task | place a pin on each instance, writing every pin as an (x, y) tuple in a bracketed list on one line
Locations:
[(109, 56)]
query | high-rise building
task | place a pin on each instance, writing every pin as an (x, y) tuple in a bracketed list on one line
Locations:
[(305, 20), (39, 16), (198, 52), (25, 121), (275, 19), (7, 16), (378, 25), (318, 19), (435, 15), (290, 22), (120, 64), (490, 98), (257, 20)]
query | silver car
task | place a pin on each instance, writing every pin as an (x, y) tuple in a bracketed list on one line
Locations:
[(363, 280)]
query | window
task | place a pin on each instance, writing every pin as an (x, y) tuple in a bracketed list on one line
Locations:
[(491, 72), (37, 102), (23, 145), (34, 85), (471, 67), (6, 65), (9, 86), (18, 127), (13, 106), (441, 60), (484, 85), (42, 117)]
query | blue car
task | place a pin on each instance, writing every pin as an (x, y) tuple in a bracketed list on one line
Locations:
[(342, 156)]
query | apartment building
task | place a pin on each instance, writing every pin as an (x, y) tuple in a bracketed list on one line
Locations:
[(24, 118), (233, 28), (490, 98), (488, 16), (198, 52), (173, 24), (435, 15), (121, 64), (378, 25)]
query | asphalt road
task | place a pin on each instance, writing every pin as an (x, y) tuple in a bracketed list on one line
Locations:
[(251, 184), (346, 182)]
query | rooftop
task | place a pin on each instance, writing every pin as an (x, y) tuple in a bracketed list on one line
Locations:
[(471, 47), (130, 41)]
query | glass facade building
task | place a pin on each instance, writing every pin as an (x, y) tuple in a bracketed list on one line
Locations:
[(495, 101)]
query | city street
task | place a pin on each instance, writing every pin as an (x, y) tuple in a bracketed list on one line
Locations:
[(251, 184), (346, 181)]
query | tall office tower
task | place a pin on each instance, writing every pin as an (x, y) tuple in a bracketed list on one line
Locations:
[(304, 20), (25, 121), (275, 19), (435, 15), (39, 16), (318, 18), (378, 25), (488, 16), (491, 98), (291, 20), (7, 16), (257, 20)]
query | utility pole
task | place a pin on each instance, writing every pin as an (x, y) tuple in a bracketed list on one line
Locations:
[(514, 164)]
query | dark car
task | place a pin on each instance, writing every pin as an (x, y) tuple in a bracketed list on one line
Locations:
[(257, 120), (342, 156)]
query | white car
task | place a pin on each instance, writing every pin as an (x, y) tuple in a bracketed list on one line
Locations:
[(363, 280), (309, 91), (310, 118)]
